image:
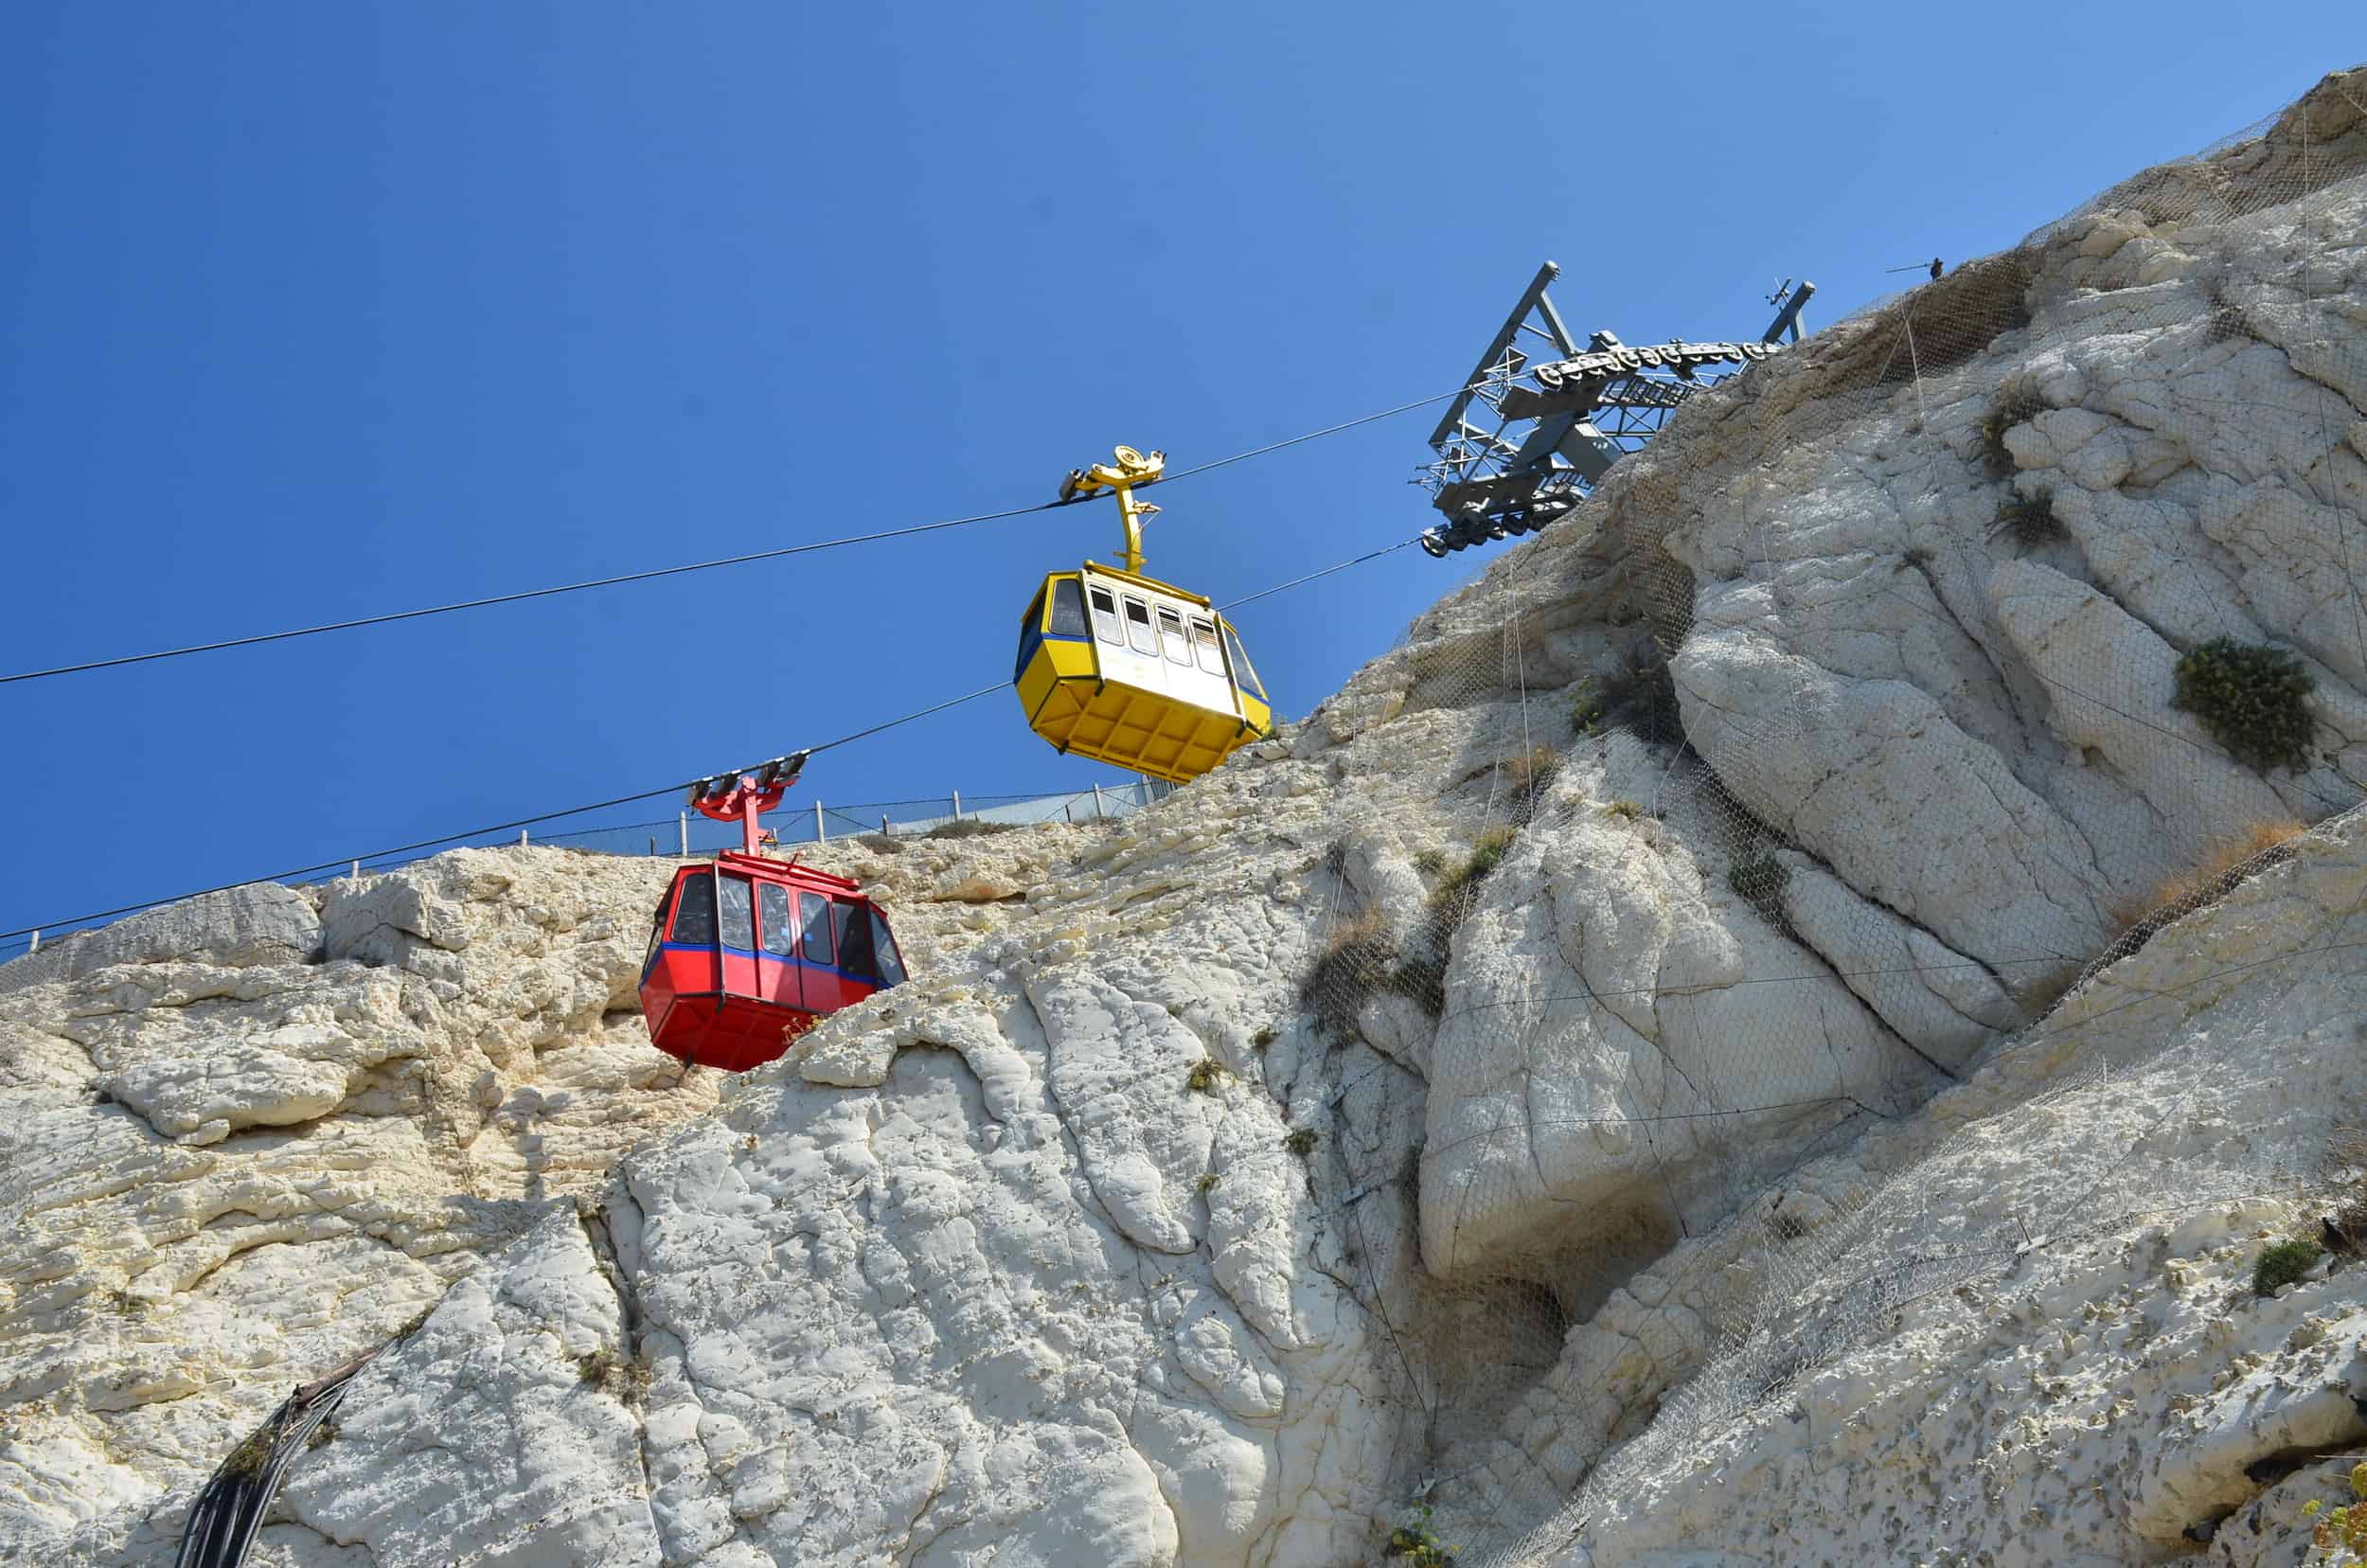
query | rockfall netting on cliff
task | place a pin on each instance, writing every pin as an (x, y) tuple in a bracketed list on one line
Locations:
[(1773, 1029), (1907, 680)]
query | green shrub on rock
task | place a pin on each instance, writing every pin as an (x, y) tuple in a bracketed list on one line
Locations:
[(2252, 698), (2283, 1264)]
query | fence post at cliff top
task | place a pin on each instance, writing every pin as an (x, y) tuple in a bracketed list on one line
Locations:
[(818, 833), (957, 805), (683, 821), (522, 838), (36, 947), (357, 870), (883, 825), (1100, 812)]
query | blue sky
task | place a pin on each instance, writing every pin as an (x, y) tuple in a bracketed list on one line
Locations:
[(310, 311)]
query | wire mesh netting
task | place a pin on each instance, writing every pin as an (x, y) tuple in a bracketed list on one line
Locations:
[(1921, 675)]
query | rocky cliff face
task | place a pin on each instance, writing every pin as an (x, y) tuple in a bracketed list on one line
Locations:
[(1603, 1075)]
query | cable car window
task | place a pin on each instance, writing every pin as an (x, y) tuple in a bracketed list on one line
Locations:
[(1204, 644), (813, 918), (1068, 609), (1138, 627), (657, 931), (694, 918), (1171, 634), (1242, 674), (854, 939), (1029, 638), (735, 912), (884, 952), (1106, 617), (773, 918)]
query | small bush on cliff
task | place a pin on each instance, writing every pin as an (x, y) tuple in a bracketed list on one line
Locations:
[(2282, 1263), (1206, 1077), (1488, 852), (1300, 1141), (2017, 402), (624, 1379), (1422, 973), (1759, 879), (969, 828), (1586, 708), (2254, 700), (2341, 1537), (2031, 520), (1417, 1543), (1357, 960), (1531, 774)]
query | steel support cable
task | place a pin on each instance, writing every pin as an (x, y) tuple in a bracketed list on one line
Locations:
[(494, 599), (644, 795)]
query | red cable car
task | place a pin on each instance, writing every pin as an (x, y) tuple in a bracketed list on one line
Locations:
[(746, 953)]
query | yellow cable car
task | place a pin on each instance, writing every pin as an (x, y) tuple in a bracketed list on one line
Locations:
[(1124, 668)]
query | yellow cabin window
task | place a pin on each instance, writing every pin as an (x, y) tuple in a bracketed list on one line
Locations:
[(1106, 616), (1204, 646), (1171, 637)]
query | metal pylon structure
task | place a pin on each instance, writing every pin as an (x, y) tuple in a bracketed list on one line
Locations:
[(1552, 416)]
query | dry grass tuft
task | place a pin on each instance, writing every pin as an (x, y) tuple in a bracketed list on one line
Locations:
[(2031, 520), (624, 1379), (1354, 962), (2245, 855), (1531, 775), (970, 828), (2253, 850), (2017, 402)]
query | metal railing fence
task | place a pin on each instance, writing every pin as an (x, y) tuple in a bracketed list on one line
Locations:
[(688, 833)]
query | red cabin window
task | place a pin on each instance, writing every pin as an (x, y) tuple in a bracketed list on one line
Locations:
[(736, 912), (694, 916), (813, 918), (884, 950), (772, 923), (854, 939)]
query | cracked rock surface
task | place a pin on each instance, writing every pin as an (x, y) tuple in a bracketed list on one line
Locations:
[(1452, 1096)]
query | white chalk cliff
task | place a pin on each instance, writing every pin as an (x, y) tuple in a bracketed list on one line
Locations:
[(1722, 1176)]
